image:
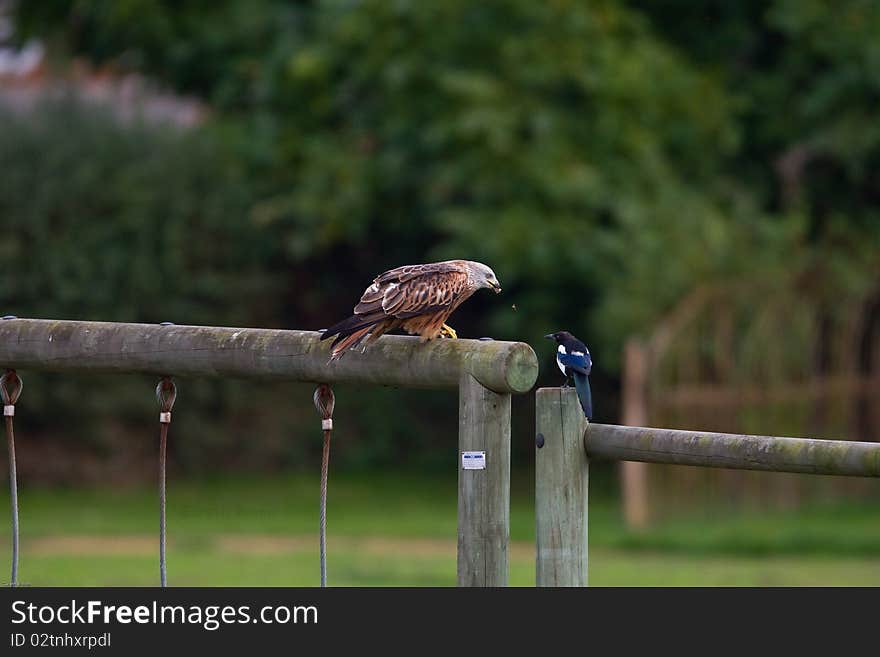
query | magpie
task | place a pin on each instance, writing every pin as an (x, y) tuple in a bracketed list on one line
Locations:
[(574, 360)]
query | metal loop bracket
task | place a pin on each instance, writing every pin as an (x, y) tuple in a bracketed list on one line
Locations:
[(10, 387), (166, 394), (324, 400)]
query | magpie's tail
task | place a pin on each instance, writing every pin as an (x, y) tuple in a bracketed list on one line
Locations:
[(582, 385)]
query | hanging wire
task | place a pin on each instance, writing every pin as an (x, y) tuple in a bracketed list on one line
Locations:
[(324, 402), (166, 393), (10, 389)]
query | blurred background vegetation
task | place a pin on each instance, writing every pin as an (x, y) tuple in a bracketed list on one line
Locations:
[(607, 158)]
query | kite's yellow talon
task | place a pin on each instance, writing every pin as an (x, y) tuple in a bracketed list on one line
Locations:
[(448, 332)]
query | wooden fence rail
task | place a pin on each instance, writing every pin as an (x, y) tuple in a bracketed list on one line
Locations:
[(565, 445), (486, 373), (741, 452), (267, 354)]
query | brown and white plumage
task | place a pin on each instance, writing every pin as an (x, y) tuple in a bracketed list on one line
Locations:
[(417, 298)]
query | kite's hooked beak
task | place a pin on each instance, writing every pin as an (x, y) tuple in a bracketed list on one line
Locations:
[(496, 287)]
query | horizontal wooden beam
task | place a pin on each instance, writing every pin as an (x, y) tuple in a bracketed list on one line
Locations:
[(723, 450), (269, 354)]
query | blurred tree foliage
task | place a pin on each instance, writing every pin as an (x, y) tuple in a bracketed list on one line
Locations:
[(126, 222), (603, 156), (122, 222), (806, 75), (562, 142)]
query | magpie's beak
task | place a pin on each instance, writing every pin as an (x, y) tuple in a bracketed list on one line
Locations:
[(549, 336)]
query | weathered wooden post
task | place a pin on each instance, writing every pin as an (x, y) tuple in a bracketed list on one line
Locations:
[(561, 481), (483, 484), (484, 459)]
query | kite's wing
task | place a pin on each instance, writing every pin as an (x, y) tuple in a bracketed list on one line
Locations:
[(414, 290), (431, 291)]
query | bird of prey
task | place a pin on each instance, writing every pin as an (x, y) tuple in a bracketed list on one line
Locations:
[(417, 298), (573, 358)]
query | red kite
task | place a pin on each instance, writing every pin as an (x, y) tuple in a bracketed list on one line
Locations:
[(416, 298)]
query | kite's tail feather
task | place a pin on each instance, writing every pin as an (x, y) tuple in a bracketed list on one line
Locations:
[(350, 326), (349, 341), (347, 326), (582, 385)]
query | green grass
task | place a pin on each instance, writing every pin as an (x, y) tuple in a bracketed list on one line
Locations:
[(400, 530), (608, 568)]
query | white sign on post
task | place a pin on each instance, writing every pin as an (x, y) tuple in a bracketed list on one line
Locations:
[(473, 460)]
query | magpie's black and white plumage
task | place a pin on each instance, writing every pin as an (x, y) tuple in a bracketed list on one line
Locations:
[(573, 359)]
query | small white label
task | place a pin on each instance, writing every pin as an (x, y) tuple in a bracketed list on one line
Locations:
[(327, 425), (8, 411), (165, 418), (473, 460)]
